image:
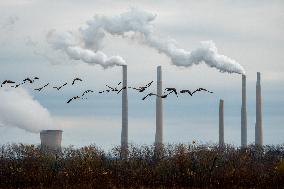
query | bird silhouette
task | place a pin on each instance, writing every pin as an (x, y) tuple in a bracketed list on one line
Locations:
[(153, 94), (149, 94), (17, 85), (202, 89), (197, 90), (58, 88), (174, 90), (73, 98), (87, 91), (114, 89), (171, 90), (163, 96), (76, 79), (26, 80), (39, 89), (149, 84), (29, 80), (108, 90), (7, 82), (121, 89), (187, 91), (143, 88)]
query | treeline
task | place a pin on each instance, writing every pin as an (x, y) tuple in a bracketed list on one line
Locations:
[(171, 166)]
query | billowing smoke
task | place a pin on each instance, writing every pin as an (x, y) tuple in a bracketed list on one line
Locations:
[(19, 109), (67, 42), (136, 24)]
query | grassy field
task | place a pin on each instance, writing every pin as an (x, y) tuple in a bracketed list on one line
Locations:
[(173, 166)]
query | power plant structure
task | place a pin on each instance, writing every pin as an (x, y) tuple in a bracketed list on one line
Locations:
[(159, 114), (221, 123), (159, 109), (258, 124), (51, 140), (124, 130), (244, 114)]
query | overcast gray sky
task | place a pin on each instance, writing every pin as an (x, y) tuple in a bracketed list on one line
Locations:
[(251, 32)]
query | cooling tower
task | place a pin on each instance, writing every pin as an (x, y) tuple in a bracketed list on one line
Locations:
[(124, 130), (244, 114), (221, 123), (51, 140), (159, 109), (258, 124)]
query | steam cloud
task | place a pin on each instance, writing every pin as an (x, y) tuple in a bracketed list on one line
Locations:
[(19, 109), (71, 46), (86, 43)]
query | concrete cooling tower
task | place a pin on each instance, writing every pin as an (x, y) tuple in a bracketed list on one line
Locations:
[(51, 140)]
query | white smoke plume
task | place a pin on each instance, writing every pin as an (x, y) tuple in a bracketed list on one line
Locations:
[(87, 42), (68, 42), (19, 109)]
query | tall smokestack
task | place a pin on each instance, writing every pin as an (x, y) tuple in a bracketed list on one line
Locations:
[(159, 109), (51, 140), (221, 123), (244, 114), (124, 130), (258, 124)]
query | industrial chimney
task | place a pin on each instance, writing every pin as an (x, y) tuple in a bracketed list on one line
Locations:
[(159, 109), (51, 140), (124, 130), (221, 123), (258, 124), (244, 114)]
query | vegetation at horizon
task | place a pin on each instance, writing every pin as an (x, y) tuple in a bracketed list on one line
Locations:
[(170, 166)]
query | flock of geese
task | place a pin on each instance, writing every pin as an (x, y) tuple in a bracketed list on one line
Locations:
[(117, 89)]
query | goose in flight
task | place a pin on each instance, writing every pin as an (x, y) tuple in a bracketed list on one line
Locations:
[(87, 91), (76, 79), (112, 89), (58, 88), (73, 98), (197, 90), (7, 82), (121, 89), (39, 89), (28, 79), (153, 94), (143, 88), (172, 90)]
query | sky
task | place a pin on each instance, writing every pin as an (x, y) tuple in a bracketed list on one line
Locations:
[(250, 32)]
